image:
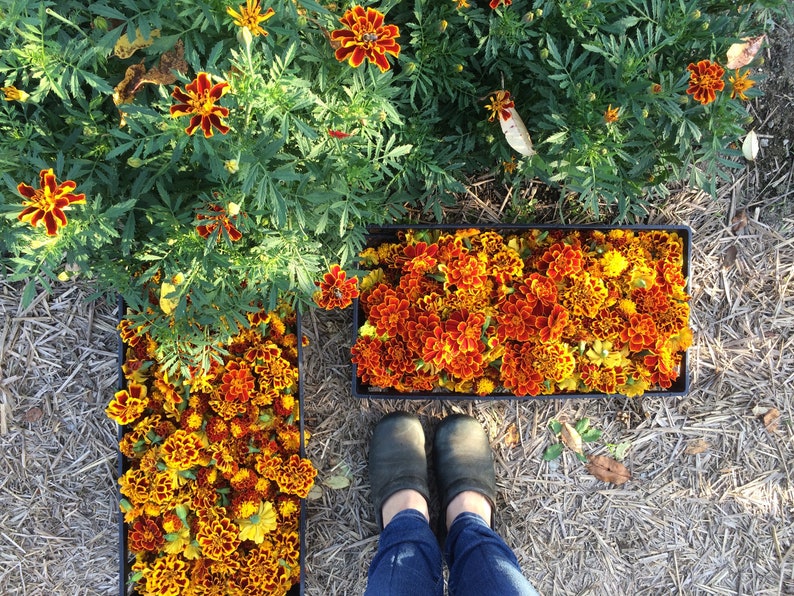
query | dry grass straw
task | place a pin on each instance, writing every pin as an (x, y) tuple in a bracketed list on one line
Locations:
[(57, 448)]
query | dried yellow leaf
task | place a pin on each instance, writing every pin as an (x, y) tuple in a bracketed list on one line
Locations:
[(124, 48)]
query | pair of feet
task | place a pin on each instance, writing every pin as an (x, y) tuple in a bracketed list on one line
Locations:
[(462, 459)]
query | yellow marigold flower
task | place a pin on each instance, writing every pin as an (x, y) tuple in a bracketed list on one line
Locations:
[(740, 83), (14, 94), (250, 16), (613, 263), (642, 277), (177, 541), (509, 166), (459, 4), (601, 353), (611, 114), (258, 525), (287, 508)]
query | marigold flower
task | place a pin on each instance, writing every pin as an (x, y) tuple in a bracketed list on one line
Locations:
[(11, 93), (48, 202), (611, 114), (497, 3), (128, 404), (250, 16), (237, 382), (145, 535), (740, 83), (337, 134), (182, 450), (613, 263), (640, 333), (336, 290), (218, 538), (499, 106), (199, 99), (585, 295), (656, 88), (220, 225), (705, 79), (560, 261), (365, 36), (258, 525), (603, 379)]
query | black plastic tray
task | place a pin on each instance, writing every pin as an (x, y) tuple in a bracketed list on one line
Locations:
[(125, 561), (377, 235)]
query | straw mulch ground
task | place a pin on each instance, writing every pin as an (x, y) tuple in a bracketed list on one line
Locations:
[(710, 508)]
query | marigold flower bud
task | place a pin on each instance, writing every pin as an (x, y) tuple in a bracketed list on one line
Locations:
[(442, 26), (544, 54), (135, 162), (696, 15), (244, 37), (458, 68), (232, 166)]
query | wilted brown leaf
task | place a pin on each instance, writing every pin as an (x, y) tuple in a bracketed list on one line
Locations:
[(697, 446), (337, 482), (133, 79), (607, 469), (571, 438), (741, 54), (33, 414), (739, 222), (172, 60), (772, 419), (511, 436), (729, 259), (124, 48)]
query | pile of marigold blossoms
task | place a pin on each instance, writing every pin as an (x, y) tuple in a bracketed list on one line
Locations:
[(212, 494), (536, 313)]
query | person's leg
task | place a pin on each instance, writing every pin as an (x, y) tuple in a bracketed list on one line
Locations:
[(408, 561), (480, 562)]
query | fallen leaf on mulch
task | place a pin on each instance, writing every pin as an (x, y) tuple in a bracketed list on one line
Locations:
[(697, 446), (315, 493), (739, 222), (337, 482), (571, 438), (772, 420), (511, 436), (730, 257), (33, 414), (607, 469)]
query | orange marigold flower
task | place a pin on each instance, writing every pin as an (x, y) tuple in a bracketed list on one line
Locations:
[(48, 202), (740, 83), (390, 317), (128, 404), (560, 261), (551, 327), (11, 93), (518, 373), (465, 366), (220, 224), (438, 349), (611, 114), (418, 258), (217, 538), (237, 382), (656, 88), (296, 476), (705, 79), (145, 535), (515, 319), (601, 378), (336, 290), (181, 450), (554, 361), (640, 333), (465, 329), (250, 16), (365, 36), (168, 576), (586, 294), (500, 105), (467, 273), (198, 99)]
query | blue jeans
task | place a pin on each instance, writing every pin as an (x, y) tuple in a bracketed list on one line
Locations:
[(408, 561)]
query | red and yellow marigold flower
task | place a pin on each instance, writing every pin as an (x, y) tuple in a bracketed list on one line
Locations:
[(560, 261), (218, 538), (250, 16), (128, 404), (198, 101), (11, 93), (365, 36), (585, 295), (182, 450), (640, 333), (336, 290), (518, 372), (467, 273), (390, 316), (611, 114), (497, 3), (601, 378), (705, 79), (500, 105), (145, 535), (218, 222), (48, 202)]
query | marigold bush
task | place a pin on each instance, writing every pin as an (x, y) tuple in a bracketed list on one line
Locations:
[(211, 493), (548, 312), (242, 147)]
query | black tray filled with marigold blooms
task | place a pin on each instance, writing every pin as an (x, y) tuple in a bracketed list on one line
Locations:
[(212, 469), (498, 312)]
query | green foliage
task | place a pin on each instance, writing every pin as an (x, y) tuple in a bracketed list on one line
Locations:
[(415, 133)]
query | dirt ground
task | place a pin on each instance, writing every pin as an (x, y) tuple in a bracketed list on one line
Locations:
[(710, 507)]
